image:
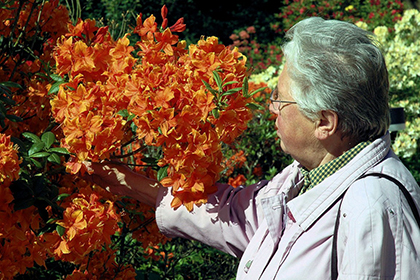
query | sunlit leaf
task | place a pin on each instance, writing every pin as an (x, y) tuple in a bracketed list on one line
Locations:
[(257, 90), (36, 148), (232, 91), (218, 80), (48, 138), (59, 150), (254, 106), (40, 155), (55, 87), (62, 196), (162, 173), (56, 78), (34, 138), (60, 230)]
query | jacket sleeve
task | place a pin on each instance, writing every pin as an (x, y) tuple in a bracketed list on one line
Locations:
[(227, 221), (378, 237)]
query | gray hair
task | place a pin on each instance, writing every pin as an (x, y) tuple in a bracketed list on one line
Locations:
[(335, 65)]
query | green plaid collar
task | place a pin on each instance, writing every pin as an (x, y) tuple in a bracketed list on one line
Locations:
[(317, 175)]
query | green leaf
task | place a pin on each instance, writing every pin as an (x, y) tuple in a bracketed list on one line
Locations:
[(40, 155), (232, 91), (59, 150), (209, 88), (43, 75), (130, 117), (34, 138), (56, 78), (123, 113), (62, 196), (3, 109), (215, 113), (229, 83), (254, 106), (257, 90), (47, 228), (162, 173), (245, 87), (52, 220), (7, 100), (36, 163), (149, 160), (36, 148), (55, 87), (218, 80), (11, 84), (48, 138), (14, 118), (23, 204), (60, 230), (54, 158), (22, 146)]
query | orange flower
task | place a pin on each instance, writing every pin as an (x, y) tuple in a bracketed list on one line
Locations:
[(179, 26), (9, 161), (88, 225), (237, 181), (257, 171), (149, 25), (164, 95)]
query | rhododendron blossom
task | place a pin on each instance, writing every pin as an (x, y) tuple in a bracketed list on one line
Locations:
[(9, 161), (171, 94)]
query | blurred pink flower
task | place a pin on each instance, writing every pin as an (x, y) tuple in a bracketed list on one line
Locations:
[(251, 29), (233, 37), (243, 34)]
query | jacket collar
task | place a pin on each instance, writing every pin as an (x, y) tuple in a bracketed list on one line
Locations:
[(307, 208)]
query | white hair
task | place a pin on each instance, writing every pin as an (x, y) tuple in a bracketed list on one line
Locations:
[(335, 65)]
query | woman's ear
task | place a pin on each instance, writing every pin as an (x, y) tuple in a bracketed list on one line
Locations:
[(326, 125)]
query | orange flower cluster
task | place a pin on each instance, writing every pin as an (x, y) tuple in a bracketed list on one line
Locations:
[(87, 225), (87, 110), (166, 92), (20, 25), (19, 245), (9, 161), (90, 215), (51, 16), (90, 219), (237, 181), (236, 161)]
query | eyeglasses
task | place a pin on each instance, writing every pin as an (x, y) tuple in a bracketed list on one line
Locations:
[(276, 103)]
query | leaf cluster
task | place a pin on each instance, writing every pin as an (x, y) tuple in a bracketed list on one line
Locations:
[(6, 101), (41, 164), (182, 259)]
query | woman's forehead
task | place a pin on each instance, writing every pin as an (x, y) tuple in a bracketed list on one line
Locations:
[(283, 84)]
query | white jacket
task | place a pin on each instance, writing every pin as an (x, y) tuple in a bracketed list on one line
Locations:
[(281, 236)]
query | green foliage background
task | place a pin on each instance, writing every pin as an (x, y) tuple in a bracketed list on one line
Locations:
[(203, 18)]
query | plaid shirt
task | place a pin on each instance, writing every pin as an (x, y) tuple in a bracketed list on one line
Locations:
[(317, 175)]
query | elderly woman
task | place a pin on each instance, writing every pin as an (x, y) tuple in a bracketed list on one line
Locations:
[(346, 206)]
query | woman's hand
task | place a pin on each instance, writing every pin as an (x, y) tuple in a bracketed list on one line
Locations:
[(119, 179)]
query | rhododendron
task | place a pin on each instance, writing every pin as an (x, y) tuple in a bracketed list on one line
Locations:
[(9, 161), (185, 101), (237, 181), (79, 224), (19, 245)]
